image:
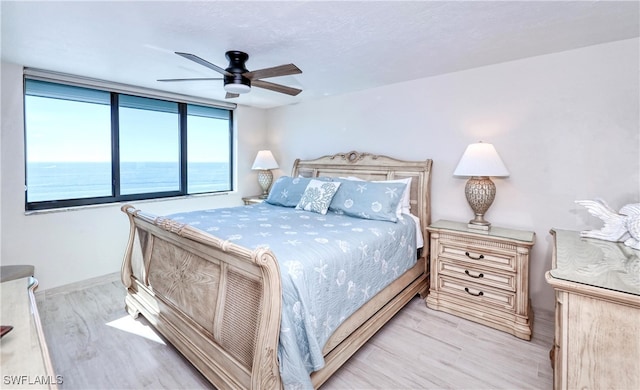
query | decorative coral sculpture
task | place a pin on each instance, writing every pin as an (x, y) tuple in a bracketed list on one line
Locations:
[(622, 226)]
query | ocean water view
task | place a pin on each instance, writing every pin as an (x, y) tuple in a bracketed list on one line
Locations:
[(76, 180)]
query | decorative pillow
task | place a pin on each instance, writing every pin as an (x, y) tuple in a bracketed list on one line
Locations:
[(368, 200), (318, 195), (287, 191), (404, 207)]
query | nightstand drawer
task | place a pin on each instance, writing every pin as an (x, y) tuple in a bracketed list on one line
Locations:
[(499, 258), (480, 275), (477, 294)]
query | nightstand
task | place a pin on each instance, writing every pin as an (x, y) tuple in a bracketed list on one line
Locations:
[(254, 199), (482, 276)]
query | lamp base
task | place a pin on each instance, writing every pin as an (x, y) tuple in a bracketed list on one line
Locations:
[(480, 192), (265, 177), (473, 225)]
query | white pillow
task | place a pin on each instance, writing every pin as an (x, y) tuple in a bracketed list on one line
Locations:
[(419, 239), (404, 206), (317, 196)]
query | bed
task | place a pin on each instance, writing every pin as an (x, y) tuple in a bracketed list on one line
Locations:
[(224, 305)]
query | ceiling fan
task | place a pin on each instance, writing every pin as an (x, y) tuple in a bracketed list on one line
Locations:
[(238, 79)]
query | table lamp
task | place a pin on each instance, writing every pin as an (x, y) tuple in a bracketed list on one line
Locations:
[(263, 163), (479, 161)]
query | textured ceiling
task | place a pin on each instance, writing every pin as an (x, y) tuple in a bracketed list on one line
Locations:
[(340, 46)]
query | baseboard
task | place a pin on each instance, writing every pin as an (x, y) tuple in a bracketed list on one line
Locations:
[(80, 285)]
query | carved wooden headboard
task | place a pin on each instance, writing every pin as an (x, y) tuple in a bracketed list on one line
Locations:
[(376, 167)]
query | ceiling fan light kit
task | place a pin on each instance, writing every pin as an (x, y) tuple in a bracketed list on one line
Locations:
[(238, 88), (238, 79)]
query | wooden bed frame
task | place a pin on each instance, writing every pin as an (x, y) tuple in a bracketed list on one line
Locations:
[(220, 304)]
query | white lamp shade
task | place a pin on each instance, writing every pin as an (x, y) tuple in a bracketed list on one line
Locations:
[(265, 160), (481, 159)]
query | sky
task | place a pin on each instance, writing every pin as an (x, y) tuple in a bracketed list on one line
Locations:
[(52, 135)]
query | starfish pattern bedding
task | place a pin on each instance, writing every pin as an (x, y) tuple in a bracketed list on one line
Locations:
[(330, 265)]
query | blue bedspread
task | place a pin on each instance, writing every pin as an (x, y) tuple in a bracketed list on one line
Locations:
[(330, 265)]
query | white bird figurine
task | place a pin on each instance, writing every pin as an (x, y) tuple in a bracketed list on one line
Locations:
[(623, 226)]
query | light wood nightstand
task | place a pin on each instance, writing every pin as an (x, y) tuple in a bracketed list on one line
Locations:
[(482, 276), (254, 199)]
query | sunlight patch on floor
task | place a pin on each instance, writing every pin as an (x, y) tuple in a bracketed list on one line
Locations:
[(129, 324)]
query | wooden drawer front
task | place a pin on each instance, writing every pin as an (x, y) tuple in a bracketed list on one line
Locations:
[(503, 259), (477, 294), (485, 277)]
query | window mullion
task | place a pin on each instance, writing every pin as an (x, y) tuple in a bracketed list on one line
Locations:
[(115, 146), (231, 151), (182, 110)]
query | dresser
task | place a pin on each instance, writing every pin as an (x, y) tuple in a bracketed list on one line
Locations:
[(481, 275), (597, 319), (25, 362)]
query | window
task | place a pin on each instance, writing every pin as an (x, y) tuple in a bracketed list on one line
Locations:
[(208, 142), (149, 138), (89, 146)]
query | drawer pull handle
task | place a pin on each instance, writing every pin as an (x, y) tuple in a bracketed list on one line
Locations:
[(473, 276), (475, 295), (474, 258)]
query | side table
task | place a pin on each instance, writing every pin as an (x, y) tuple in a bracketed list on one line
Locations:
[(482, 276), (253, 199)]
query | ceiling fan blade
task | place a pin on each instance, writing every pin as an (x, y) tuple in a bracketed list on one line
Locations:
[(202, 62), (196, 79), (282, 70), (275, 87), (230, 95)]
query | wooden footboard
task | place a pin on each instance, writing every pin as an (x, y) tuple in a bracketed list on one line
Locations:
[(218, 303)]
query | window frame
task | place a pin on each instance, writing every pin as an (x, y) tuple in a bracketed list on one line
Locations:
[(115, 91)]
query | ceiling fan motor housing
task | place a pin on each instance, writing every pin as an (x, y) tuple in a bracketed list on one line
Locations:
[(236, 80)]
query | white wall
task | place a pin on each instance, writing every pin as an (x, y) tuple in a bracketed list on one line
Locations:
[(566, 125), (69, 246)]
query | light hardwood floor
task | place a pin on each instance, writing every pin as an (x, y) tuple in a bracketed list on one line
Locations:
[(92, 339)]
